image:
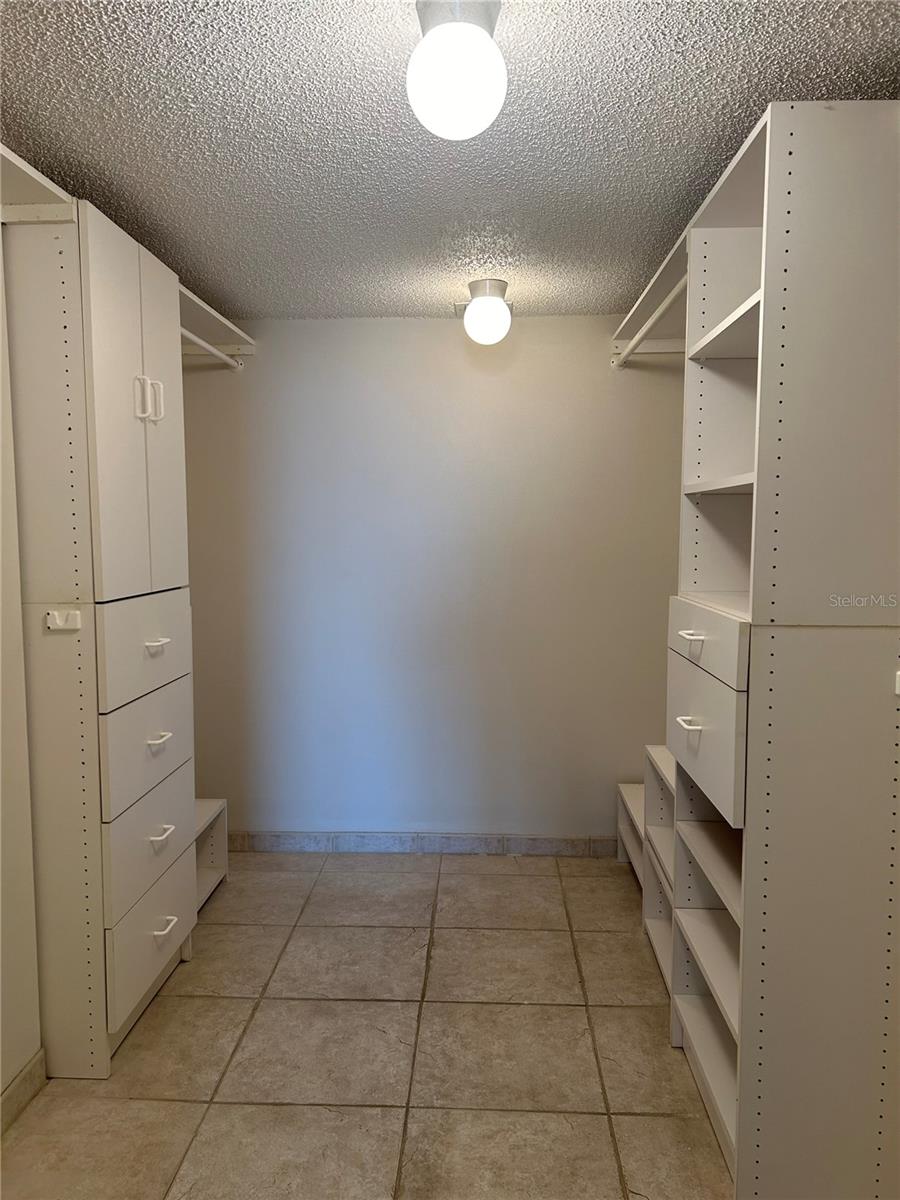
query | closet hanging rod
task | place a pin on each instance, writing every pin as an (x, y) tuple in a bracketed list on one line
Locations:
[(621, 359), (234, 364)]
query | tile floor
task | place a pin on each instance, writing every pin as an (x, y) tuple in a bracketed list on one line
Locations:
[(375, 1026)]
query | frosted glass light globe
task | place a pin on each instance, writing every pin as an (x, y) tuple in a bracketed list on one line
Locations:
[(487, 320), (456, 80)]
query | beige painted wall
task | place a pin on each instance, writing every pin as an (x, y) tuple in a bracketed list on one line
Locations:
[(19, 1011), (429, 578)]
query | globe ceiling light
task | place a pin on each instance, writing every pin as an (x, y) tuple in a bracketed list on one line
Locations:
[(456, 77), (487, 317)]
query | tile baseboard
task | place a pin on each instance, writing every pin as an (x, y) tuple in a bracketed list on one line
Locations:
[(21, 1090), (421, 843)]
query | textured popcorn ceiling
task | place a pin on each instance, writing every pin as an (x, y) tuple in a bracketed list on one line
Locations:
[(267, 152)]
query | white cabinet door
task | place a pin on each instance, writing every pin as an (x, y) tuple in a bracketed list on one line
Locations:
[(111, 298), (165, 425)]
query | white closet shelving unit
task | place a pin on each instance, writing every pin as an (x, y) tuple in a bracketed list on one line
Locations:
[(646, 838), (784, 657), (96, 381)]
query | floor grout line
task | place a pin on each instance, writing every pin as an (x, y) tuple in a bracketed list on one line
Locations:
[(590, 1024), (395, 1191), (243, 1032)]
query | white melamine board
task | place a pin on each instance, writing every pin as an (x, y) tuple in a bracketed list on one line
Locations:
[(161, 335), (205, 812), (132, 863), (632, 797), (711, 1052), (659, 933), (651, 854), (715, 543), (42, 277), (142, 643), (735, 336), (724, 270), (724, 650), (717, 850), (662, 840), (657, 914), (20, 183), (111, 297), (719, 419), (734, 604), (202, 319), (130, 765), (663, 761), (632, 844), (820, 1093), (727, 485), (208, 879), (65, 785), (714, 755), (135, 954), (827, 512), (714, 941), (737, 198), (212, 853)]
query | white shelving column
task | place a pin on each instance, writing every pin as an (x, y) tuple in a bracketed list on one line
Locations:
[(784, 650)]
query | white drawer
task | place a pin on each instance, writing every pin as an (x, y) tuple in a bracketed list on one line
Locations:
[(142, 743), (714, 754), (713, 640), (141, 644), (145, 840), (145, 939)]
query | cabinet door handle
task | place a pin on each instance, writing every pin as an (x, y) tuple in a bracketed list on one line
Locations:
[(690, 635), (162, 837), (158, 401), (156, 644), (686, 723), (171, 922), (142, 399), (159, 741)]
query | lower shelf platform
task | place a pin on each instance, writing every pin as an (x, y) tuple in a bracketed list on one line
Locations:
[(208, 879), (659, 931), (712, 1055)]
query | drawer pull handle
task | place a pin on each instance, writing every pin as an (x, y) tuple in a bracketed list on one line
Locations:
[(171, 922), (691, 635), (157, 401), (157, 644), (162, 837), (686, 723), (142, 399), (159, 741)]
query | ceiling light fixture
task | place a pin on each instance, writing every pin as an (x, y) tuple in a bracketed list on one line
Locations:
[(487, 317), (456, 78)]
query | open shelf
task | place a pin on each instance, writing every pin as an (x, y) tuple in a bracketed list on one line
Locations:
[(206, 812), (657, 914), (662, 839), (736, 604), (736, 336), (632, 796), (203, 320), (632, 844), (713, 1059), (730, 485), (208, 879), (714, 942), (717, 848), (664, 761), (659, 932)]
